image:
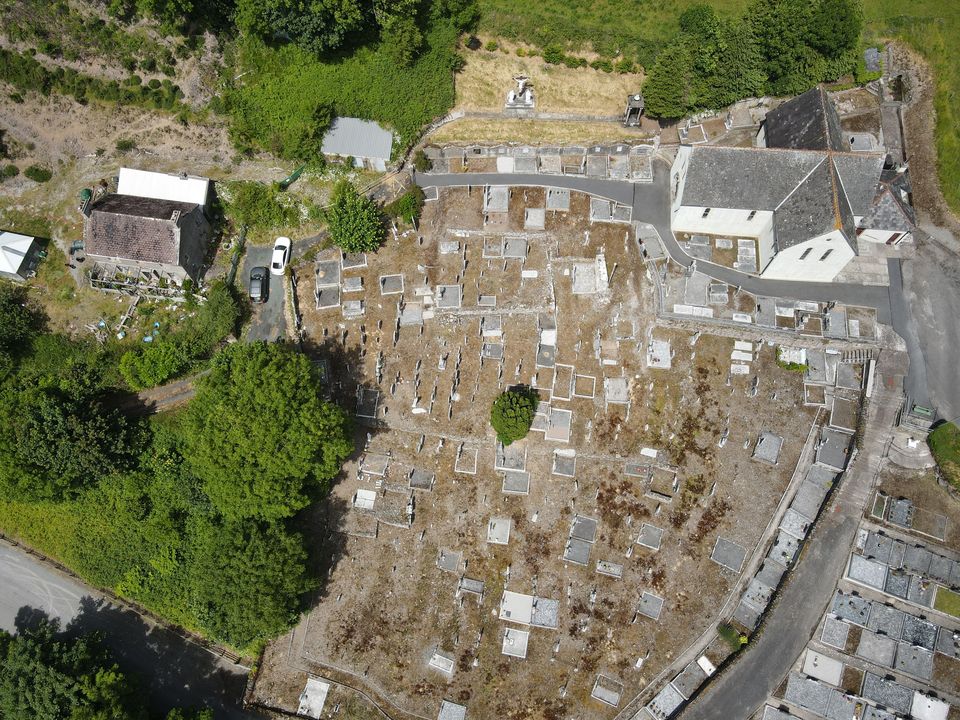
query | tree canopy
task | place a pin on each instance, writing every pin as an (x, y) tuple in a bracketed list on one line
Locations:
[(780, 47), (512, 413), (46, 674), (259, 436), (353, 220), (18, 319)]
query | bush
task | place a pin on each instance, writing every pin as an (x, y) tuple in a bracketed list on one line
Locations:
[(421, 163), (491, 46), (408, 206), (353, 220), (259, 206), (553, 54), (731, 637), (512, 413), (125, 145), (38, 173), (473, 43), (10, 171), (602, 64)]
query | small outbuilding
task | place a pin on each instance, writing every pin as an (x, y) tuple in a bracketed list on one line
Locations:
[(19, 255), (369, 144)]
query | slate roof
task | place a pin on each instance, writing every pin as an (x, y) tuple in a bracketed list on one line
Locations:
[(859, 173), (816, 207), (806, 122), (135, 228)]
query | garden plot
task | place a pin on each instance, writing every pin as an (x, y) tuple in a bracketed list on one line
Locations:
[(636, 506)]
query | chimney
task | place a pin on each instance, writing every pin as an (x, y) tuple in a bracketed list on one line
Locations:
[(175, 218)]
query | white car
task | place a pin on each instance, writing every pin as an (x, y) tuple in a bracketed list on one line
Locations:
[(281, 256)]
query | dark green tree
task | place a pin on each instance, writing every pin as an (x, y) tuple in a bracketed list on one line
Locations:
[(19, 320), (353, 220), (58, 436), (512, 413), (835, 26), (247, 579), (699, 20), (46, 674), (316, 25), (782, 29), (258, 434), (666, 90)]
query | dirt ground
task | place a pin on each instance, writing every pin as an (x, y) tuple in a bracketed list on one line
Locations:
[(487, 77), (387, 606), (535, 132)]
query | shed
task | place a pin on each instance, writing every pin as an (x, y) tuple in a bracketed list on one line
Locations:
[(365, 141), (19, 255)]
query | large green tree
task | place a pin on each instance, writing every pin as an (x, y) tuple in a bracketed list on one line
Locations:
[(258, 434), (316, 25), (46, 674), (247, 579), (353, 220), (58, 436), (512, 413), (835, 26), (666, 90)]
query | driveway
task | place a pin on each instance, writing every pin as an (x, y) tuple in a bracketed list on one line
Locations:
[(174, 671), (267, 320)]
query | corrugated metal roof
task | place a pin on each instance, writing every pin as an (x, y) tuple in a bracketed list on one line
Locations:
[(13, 251), (163, 186), (357, 138)]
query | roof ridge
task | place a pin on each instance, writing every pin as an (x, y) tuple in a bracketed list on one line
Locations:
[(842, 153)]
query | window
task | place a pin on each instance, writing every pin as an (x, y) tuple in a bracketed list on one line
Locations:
[(805, 253), (826, 254), (752, 215), (706, 211)]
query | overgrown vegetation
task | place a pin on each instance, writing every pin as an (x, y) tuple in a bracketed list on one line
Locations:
[(512, 413), (169, 356), (189, 514), (408, 206), (353, 220), (731, 636), (944, 443), (26, 73), (46, 673), (260, 206)]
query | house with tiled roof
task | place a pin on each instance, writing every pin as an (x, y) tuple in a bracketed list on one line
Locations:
[(157, 236), (794, 208)]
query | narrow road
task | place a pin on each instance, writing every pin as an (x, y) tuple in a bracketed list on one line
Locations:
[(738, 691), (174, 671), (267, 322)]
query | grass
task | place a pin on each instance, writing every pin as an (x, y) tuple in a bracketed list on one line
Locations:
[(932, 28), (947, 601), (944, 442), (487, 76), (637, 29), (534, 131)]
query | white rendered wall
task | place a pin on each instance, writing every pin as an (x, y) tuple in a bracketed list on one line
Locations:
[(881, 236), (722, 221), (787, 265)]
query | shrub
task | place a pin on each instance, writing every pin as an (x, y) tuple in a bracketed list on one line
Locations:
[(473, 43), (259, 206), (553, 54), (353, 220), (421, 163), (512, 413), (491, 46), (602, 64), (125, 145), (521, 52), (408, 206), (10, 171), (38, 173), (625, 65)]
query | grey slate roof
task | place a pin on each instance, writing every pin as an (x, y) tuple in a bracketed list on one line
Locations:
[(135, 228), (806, 122), (357, 138), (859, 173), (744, 178)]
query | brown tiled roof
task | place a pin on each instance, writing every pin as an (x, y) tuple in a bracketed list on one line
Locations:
[(135, 228)]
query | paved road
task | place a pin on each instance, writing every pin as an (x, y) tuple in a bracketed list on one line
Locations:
[(651, 204), (174, 671), (268, 322), (737, 692)]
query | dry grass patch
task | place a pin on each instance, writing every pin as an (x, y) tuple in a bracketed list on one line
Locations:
[(488, 76), (535, 131)]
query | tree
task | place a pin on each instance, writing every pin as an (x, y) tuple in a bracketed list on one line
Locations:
[(58, 437), (835, 26), (781, 28), (666, 91), (316, 25), (402, 38), (408, 206), (258, 435), (248, 579), (19, 321), (699, 20), (44, 674), (512, 413), (353, 220)]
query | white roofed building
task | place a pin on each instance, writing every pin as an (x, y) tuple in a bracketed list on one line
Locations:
[(365, 141), (19, 255), (164, 186)]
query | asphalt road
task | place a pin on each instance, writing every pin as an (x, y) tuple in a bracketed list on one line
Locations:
[(267, 322), (175, 672)]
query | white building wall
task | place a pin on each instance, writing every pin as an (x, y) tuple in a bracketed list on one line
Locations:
[(678, 177), (796, 263), (882, 236)]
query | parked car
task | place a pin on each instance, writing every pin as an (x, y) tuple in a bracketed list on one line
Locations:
[(259, 284), (281, 255)]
